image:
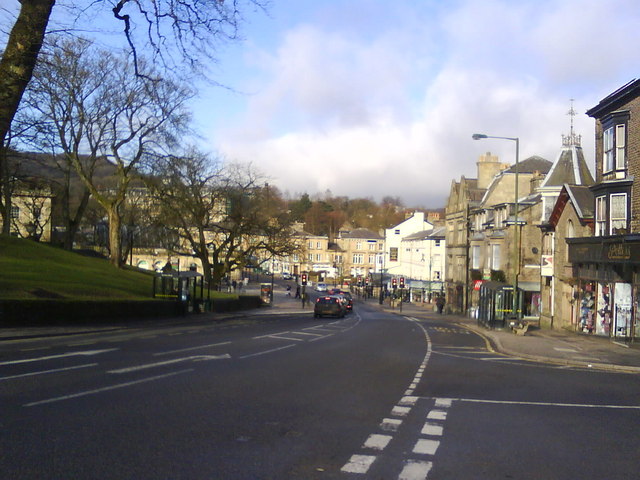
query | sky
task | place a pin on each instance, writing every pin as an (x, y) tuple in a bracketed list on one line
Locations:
[(371, 98)]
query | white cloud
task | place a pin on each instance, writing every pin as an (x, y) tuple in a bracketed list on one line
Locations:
[(392, 113)]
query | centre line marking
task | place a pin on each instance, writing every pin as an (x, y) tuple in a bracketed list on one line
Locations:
[(105, 389), (62, 355), (190, 348), (42, 372), (267, 351), (169, 362)]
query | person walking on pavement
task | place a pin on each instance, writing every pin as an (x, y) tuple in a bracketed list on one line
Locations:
[(440, 301), (297, 292)]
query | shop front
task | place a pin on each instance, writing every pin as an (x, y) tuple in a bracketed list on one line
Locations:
[(608, 287)]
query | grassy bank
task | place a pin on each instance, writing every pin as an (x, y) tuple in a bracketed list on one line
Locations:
[(30, 270)]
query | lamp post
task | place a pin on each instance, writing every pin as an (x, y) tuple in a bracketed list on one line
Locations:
[(516, 248)]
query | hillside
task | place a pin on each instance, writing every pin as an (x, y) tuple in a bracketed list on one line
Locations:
[(30, 270)]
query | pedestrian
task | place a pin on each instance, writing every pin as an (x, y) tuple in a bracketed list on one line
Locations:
[(297, 292), (440, 301), (288, 290)]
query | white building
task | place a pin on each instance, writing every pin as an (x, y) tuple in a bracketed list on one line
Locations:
[(390, 261)]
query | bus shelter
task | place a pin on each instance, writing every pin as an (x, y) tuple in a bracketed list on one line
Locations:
[(495, 304), (186, 287)]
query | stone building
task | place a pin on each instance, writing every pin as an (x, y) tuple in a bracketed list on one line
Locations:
[(464, 195), (607, 265)]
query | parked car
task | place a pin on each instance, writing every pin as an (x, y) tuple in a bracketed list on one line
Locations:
[(329, 305), (321, 287), (287, 276)]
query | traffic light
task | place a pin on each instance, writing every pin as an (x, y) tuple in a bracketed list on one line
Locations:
[(366, 281), (359, 281), (401, 282), (304, 279), (394, 283)]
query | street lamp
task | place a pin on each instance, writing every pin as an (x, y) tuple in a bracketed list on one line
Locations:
[(516, 248)]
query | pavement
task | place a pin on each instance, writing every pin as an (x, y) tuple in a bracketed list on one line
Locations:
[(559, 347)]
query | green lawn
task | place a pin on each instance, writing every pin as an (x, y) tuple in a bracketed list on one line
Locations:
[(33, 270)]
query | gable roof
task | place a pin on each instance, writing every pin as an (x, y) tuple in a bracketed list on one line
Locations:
[(580, 196), (363, 233), (531, 165)]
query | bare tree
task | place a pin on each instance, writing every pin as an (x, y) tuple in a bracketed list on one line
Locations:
[(91, 108), (225, 214), (172, 32)]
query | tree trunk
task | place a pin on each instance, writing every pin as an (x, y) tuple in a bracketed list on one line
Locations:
[(115, 246), (16, 68)]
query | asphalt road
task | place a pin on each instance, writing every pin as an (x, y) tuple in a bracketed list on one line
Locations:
[(374, 395)]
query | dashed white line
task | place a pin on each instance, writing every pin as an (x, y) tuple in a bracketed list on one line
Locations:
[(390, 424), (437, 415), (400, 411), (426, 446), (443, 402), (432, 429), (415, 470), (359, 464), (377, 441)]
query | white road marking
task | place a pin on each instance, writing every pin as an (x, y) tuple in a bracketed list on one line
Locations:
[(105, 389), (267, 351), (307, 333), (377, 441), (282, 337), (400, 411), (359, 464), (444, 402), (390, 424), (491, 359), (42, 372), (62, 355), (322, 337), (549, 404), (169, 362), (560, 349), (169, 352), (432, 429), (415, 470), (408, 400), (270, 335), (437, 415), (426, 447)]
